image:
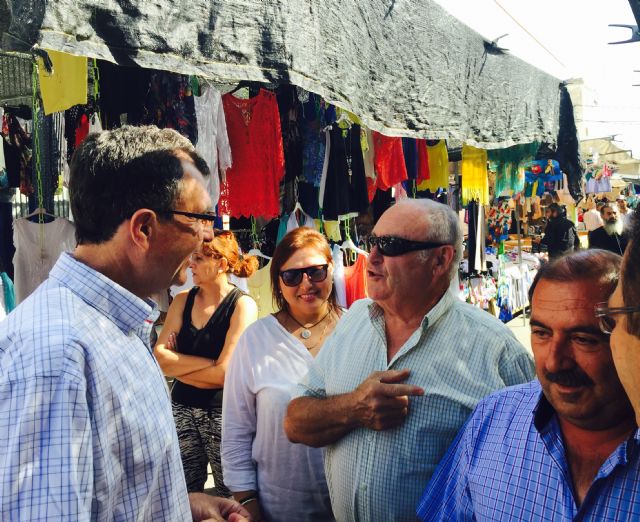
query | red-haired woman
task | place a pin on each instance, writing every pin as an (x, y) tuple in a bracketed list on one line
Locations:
[(273, 478), (195, 346)]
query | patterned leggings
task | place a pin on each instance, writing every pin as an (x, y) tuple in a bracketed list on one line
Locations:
[(199, 435)]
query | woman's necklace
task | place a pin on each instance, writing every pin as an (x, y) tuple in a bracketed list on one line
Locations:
[(306, 330)]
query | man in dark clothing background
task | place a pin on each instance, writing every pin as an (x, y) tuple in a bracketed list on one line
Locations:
[(560, 235), (610, 235)]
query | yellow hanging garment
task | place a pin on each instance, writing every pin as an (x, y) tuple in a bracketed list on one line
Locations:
[(438, 168), (475, 176), (66, 86)]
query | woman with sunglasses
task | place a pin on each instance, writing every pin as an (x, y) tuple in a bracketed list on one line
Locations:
[(274, 479), (199, 336)]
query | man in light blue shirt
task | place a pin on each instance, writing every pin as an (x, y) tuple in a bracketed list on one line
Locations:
[(85, 417), (384, 436), (564, 447)]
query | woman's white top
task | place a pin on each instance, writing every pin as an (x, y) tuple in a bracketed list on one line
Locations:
[(267, 364)]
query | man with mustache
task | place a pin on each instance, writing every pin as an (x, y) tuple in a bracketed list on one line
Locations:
[(561, 447), (610, 235)]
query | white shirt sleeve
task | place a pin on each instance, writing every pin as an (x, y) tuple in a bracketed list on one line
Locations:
[(239, 420)]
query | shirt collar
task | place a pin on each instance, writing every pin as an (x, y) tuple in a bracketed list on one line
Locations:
[(431, 317), (544, 412), (129, 312)]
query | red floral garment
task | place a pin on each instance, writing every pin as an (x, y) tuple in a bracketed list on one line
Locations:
[(252, 186)]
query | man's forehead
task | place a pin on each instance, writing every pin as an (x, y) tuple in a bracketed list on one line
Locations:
[(562, 305), (401, 220)]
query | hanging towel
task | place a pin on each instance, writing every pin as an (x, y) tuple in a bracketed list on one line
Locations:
[(66, 86), (475, 176)]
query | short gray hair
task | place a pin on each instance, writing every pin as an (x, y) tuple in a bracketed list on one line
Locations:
[(443, 226)]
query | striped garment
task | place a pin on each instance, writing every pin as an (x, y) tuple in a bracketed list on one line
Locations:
[(85, 416), (459, 355)]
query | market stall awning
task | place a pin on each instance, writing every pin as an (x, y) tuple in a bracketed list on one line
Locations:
[(406, 68), (623, 163)]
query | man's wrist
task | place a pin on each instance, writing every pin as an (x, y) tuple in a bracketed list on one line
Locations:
[(249, 498)]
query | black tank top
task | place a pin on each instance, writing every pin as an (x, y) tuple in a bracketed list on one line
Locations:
[(205, 342)]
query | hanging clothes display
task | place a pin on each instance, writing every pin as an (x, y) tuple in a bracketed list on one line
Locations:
[(389, 161), (475, 176), (259, 287), (38, 247), (253, 182), (507, 162), (123, 92), (213, 141), (438, 161), (339, 276), (355, 278), (345, 191), (66, 85), (289, 108), (368, 154), (170, 104), (476, 238), (499, 220)]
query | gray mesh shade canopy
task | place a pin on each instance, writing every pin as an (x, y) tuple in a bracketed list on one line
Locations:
[(407, 68)]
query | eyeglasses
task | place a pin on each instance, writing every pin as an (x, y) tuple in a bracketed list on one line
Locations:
[(206, 219), (293, 276), (392, 246), (604, 313)]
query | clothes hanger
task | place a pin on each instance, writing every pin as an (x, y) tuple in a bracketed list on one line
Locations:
[(40, 211)]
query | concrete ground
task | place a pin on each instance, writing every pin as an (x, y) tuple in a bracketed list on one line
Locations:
[(520, 328)]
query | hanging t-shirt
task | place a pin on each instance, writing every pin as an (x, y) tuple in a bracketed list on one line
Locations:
[(259, 285), (338, 276), (252, 186), (37, 249), (355, 278), (213, 141), (389, 161), (438, 160), (475, 176)]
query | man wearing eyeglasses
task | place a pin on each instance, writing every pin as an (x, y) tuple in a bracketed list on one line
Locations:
[(622, 318), (564, 447), (85, 417), (402, 370)]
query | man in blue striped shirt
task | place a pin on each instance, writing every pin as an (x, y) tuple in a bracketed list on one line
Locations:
[(85, 417), (564, 447)]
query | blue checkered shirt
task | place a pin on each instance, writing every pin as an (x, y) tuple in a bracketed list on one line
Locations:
[(509, 464), (85, 417), (459, 354)]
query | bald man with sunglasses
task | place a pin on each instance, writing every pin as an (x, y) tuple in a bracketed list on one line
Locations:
[(403, 369)]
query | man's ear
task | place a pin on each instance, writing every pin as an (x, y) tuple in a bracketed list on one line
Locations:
[(142, 226), (443, 259)]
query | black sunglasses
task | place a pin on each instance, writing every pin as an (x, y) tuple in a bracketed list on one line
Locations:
[(604, 313), (293, 276), (206, 218), (392, 246)]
